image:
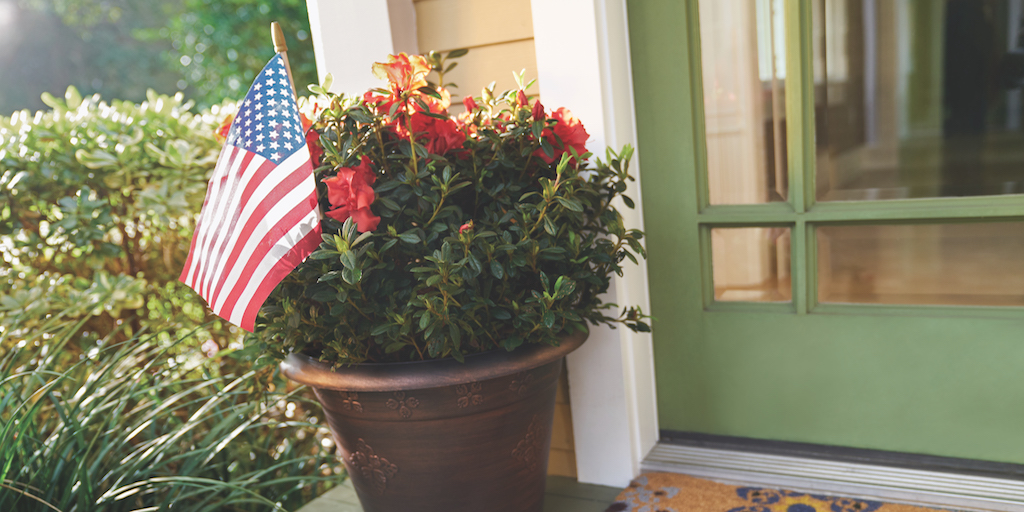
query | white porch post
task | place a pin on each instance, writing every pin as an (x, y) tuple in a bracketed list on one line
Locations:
[(350, 35), (583, 64)]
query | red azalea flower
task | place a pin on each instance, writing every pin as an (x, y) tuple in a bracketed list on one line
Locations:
[(351, 194), (469, 103), (521, 98), (316, 153), (438, 136), (466, 227), (571, 133)]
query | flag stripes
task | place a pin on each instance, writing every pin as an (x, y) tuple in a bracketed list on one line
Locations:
[(261, 217)]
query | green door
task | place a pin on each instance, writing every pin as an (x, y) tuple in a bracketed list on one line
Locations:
[(832, 194)]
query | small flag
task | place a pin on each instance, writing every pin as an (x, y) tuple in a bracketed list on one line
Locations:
[(260, 218)]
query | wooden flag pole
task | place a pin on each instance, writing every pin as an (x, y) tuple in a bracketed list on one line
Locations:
[(280, 46)]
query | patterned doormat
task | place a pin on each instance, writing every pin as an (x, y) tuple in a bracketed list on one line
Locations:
[(669, 492)]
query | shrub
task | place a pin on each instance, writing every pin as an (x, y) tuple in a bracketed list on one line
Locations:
[(98, 196), (448, 235)]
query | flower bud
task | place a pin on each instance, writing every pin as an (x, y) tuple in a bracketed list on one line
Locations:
[(521, 98), (469, 103), (538, 111)]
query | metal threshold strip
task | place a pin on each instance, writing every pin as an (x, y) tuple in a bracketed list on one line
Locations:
[(891, 484)]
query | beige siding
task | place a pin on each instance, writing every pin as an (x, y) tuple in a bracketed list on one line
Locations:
[(499, 37), (498, 34)]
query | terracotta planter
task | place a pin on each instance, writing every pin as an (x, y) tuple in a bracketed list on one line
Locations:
[(442, 435)]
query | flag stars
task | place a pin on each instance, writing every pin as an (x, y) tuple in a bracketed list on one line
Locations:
[(288, 145), (275, 156), (274, 145)]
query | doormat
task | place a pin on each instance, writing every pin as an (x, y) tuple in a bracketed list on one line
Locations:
[(670, 492)]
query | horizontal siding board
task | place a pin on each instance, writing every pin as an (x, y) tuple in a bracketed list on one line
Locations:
[(449, 24), (495, 63)]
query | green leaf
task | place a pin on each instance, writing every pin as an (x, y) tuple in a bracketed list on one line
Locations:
[(549, 319), (496, 270), (410, 237), (454, 54), (348, 259), (351, 275), (329, 276), (549, 225), (571, 204), (501, 314), (321, 254), (512, 342)]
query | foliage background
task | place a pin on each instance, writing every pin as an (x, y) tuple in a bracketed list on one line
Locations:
[(208, 49)]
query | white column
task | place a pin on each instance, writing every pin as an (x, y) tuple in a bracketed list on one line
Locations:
[(350, 35), (583, 64)]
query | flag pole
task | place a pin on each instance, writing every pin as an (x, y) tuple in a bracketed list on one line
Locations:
[(280, 46)]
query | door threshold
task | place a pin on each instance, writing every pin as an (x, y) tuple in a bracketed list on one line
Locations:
[(927, 488)]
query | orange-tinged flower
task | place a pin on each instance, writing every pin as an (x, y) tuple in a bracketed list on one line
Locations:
[(224, 128), (568, 133), (351, 194), (403, 72)]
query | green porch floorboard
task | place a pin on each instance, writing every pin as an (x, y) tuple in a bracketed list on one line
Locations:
[(564, 494)]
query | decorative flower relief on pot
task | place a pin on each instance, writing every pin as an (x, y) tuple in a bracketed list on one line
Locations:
[(530, 447), (374, 468), (403, 405), (350, 402), (469, 394), (521, 383)]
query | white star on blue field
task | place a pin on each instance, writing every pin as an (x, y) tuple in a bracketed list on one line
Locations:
[(267, 122)]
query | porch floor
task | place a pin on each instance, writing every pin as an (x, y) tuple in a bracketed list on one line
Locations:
[(564, 494)]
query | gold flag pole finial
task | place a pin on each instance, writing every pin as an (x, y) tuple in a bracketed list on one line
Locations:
[(280, 46)]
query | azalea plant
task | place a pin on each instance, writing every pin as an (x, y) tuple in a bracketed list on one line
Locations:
[(446, 235)]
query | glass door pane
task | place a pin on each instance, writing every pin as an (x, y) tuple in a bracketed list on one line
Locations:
[(751, 264), (744, 75), (918, 98), (969, 264)]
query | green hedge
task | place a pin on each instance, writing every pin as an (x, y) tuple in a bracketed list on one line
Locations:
[(100, 197)]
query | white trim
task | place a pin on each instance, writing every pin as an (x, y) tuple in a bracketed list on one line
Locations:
[(350, 35), (583, 64), (911, 486)]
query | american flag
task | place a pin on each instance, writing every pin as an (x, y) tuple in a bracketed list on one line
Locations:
[(260, 218)]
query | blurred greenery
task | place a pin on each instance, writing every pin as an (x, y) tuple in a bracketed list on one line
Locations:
[(208, 49), (100, 197), (118, 389)]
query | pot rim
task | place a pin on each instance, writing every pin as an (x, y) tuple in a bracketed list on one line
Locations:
[(425, 374)]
